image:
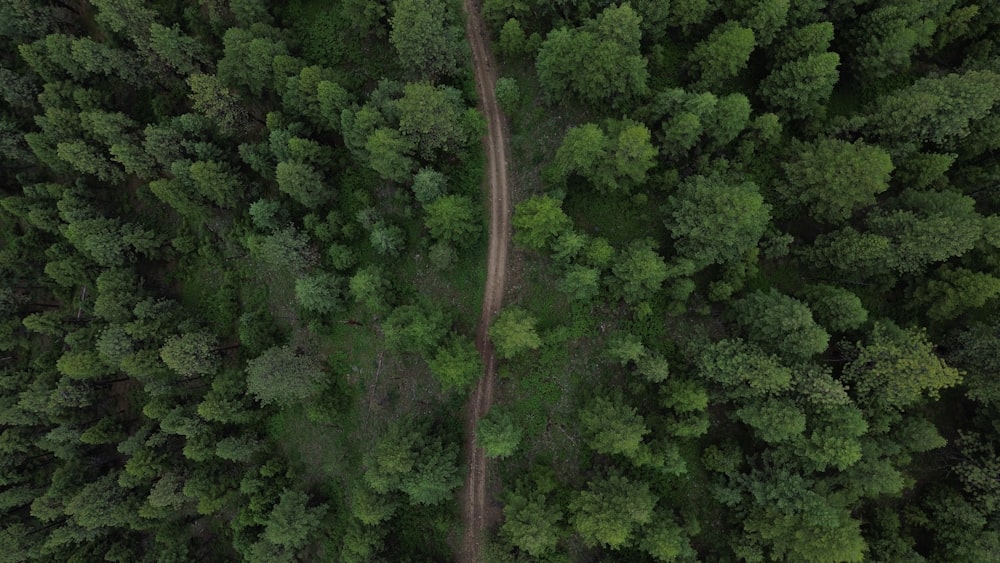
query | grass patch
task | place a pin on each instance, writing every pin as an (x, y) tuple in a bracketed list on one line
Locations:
[(320, 452)]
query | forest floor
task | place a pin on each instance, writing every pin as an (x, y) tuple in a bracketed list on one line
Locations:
[(476, 514)]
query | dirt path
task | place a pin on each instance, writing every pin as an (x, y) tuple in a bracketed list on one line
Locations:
[(475, 514)]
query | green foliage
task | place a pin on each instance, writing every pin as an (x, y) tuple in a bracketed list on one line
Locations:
[(432, 118), (456, 364), (610, 509), (639, 272), (292, 523), (834, 178), (773, 420), (320, 292), (513, 332), (426, 40), (937, 110), (898, 367), (498, 434), (514, 42), (217, 102), (580, 282), (667, 541), (956, 290), (286, 249), (531, 523), (599, 62), (428, 185), (424, 469), (616, 161), (743, 369), (415, 329), (386, 238), (714, 221), (370, 287), (191, 353), (538, 220), (799, 89), (81, 365), (508, 94), (722, 55), (389, 151), (611, 427), (834, 308), (453, 218), (781, 324), (624, 348), (799, 523), (303, 182), (284, 376)]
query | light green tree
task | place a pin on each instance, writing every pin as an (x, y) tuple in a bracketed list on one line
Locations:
[(513, 332), (610, 510), (191, 353), (612, 427), (897, 367), (538, 220), (319, 292), (453, 218), (303, 182), (456, 364), (432, 118), (498, 434), (531, 523), (639, 272)]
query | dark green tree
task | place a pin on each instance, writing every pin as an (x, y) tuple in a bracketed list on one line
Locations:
[(425, 37), (293, 523), (800, 89), (599, 62), (722, 56), (285, 375), (833, 178), (715, 221), (191, 354), (303, 182), (781, 324)]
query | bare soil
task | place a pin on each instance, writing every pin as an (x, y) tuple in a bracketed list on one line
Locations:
[(477, 515)]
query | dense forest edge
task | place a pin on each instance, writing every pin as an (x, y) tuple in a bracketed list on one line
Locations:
[(750, 312)]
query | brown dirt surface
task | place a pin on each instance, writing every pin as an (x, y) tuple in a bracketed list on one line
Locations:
[(477, 515)]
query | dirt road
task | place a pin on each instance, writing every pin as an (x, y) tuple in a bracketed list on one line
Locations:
[(475, 516)]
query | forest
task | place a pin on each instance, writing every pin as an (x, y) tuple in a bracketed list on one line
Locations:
[(751, 302)]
